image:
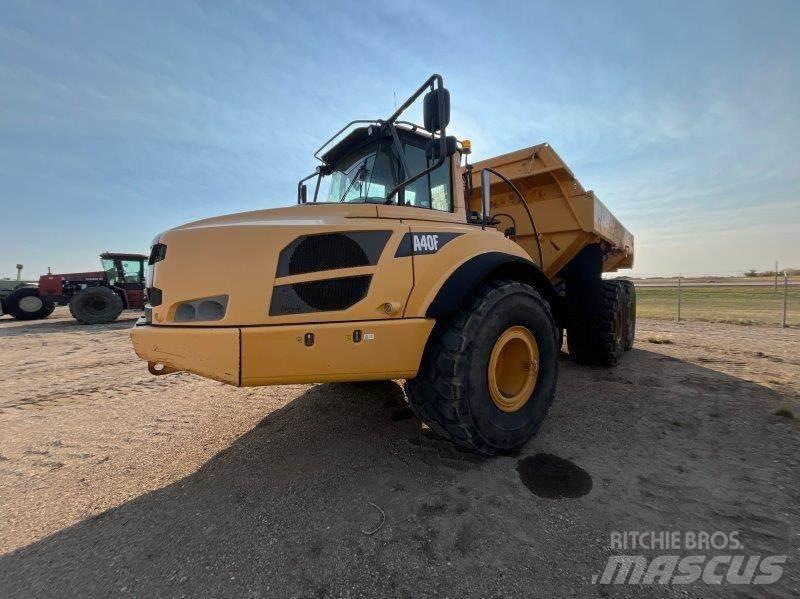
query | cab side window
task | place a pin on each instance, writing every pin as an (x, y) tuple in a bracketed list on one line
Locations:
[(132, 271), (432, 190)]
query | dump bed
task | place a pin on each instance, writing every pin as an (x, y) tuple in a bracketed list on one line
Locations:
[(567, 217)]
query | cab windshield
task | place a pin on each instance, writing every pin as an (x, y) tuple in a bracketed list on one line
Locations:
[(132, 271), (368, 174)]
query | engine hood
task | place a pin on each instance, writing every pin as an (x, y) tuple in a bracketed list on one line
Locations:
[(273, 266), (300, 215)]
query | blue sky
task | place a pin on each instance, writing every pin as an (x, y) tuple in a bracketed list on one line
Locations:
[(119, 120)]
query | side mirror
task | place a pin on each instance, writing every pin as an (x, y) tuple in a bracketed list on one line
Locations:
[(486, 195), (436, 103), (303, 194)]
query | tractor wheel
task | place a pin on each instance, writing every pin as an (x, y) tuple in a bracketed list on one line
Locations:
[(630, 314), (488, 374), (598, 337), (25, 304), (95, 305)]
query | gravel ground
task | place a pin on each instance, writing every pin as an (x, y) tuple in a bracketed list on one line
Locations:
[(117, 483)]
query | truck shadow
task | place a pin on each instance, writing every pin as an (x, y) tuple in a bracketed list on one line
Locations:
[(286, 509), (10, 327)]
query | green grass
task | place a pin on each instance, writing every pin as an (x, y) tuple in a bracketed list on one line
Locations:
[(739, 305)]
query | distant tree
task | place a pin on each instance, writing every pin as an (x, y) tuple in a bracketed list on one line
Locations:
[(792, 272)]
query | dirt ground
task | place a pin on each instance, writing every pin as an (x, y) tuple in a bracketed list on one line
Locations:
[(117, 483)]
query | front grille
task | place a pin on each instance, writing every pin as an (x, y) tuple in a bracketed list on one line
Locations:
[(333, 294), (319, 296), (330, 251), (326, 252)]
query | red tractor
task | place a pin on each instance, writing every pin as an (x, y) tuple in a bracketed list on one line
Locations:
[(92, 297)]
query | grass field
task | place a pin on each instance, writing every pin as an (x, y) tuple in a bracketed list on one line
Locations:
[(734, 304)]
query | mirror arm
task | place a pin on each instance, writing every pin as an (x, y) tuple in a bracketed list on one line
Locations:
[(428, 84), (316, 187)]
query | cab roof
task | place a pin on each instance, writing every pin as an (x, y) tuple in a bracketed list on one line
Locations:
[(122, 256)]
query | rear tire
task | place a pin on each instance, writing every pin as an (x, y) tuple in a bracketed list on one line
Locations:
[(630, 314), (456, 390), (95, 305), (25, 304), (598, 336)]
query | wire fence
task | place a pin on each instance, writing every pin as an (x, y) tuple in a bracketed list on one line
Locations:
[(739, 300)]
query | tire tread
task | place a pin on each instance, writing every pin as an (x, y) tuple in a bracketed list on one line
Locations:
[(590, 337), (77, 313), (437, 395)]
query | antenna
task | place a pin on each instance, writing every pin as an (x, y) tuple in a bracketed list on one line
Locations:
[(395, 100)]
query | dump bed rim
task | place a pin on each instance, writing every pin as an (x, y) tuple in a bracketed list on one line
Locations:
[(517, 155)]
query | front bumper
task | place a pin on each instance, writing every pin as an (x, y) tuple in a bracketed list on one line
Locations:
[(287, 354)]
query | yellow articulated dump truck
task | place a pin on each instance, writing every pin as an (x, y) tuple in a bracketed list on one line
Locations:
[(401, 260)]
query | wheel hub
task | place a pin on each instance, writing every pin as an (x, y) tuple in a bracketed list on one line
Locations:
[(513, 369), (96, 306), (31, 303)]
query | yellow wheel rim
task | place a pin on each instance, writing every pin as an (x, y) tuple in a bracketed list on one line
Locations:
[(513, 369)]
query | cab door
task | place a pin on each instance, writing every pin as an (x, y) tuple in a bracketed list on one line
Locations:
[(428, 198), (131, 282)]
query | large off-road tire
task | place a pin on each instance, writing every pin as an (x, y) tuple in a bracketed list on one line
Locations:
[(25, 304), (597, 336), (629, 290), (488, 374), (95, 305)]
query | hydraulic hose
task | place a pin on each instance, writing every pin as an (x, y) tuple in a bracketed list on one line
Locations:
[(528, 210)]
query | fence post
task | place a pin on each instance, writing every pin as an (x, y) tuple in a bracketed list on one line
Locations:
[(679, 298), (785, 297), (776, 276)]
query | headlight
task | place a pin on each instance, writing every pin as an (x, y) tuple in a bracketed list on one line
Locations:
[(203, 309)]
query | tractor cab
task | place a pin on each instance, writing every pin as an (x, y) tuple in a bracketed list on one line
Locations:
[(125, 271), (125, 274)]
